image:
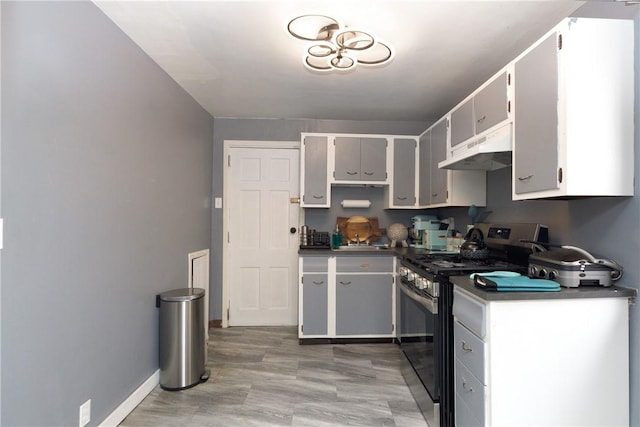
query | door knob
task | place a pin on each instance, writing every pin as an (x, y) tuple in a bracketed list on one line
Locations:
[(292, 230)]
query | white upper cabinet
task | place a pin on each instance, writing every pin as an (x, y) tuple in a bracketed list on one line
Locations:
[(573, 112)]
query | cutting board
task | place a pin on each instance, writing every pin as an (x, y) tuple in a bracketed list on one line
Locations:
[(365, 228)]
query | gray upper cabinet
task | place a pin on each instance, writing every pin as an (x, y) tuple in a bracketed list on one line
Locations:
[(485, 109), (438, 177), (314, 178), (424, 166), (536, 128), (360, 159), (574, 128), (347, 158), (491, 104), (404, 172), (462, 126)]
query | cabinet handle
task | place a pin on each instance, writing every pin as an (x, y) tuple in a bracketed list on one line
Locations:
[(318, 197), (369, 173), (481, 119), (525, 178), (352, 173), (434, 195), (465, 348), (401, 198), (465, 387), (345, 283), (318, 283)]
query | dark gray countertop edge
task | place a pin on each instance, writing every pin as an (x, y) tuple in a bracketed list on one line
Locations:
[(400, 252), (565, 293)]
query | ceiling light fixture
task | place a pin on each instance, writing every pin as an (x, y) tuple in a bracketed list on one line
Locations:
[(335, 46)]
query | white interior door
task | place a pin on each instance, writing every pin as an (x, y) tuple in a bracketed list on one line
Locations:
[(261, 259)]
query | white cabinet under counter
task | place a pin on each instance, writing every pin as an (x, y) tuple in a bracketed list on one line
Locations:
[(541, 358)]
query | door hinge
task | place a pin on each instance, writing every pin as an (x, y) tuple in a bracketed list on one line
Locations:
[(559, 41), (301, 328), (393, 327), (508, 106), (229, 160), (227, 314), (228, 237), (509, 79)]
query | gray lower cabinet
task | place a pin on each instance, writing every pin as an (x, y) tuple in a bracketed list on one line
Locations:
[(363, 304), (314, 303), (346, 297)]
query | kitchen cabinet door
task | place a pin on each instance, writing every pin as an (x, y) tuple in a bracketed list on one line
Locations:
[(424, 165), (462, 126), (314, 303), (438, 177), (315, 183), (491, 104), (404, 172), (574, 128), (347, 158), (536, 128), (364, 304), (373, 159)]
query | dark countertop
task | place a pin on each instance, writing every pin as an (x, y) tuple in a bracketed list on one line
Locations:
[(400, 252), (565, 293)]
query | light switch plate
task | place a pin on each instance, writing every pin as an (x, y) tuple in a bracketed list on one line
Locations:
[(218, 202)]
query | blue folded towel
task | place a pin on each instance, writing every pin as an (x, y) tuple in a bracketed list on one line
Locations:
[(510, 281)]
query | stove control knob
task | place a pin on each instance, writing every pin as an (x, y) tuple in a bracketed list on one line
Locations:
[(533, 271), (542, 273), (411, 276), (553, 275)]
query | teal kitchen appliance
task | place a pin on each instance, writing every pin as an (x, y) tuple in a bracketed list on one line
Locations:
[(420, 225)]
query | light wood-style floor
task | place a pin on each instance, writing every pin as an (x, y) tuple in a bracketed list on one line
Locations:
[(261, 376)]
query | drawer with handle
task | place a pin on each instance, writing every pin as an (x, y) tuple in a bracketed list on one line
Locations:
[(470, 350)]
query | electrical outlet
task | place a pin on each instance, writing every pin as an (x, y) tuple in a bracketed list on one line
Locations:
[(85, 413)]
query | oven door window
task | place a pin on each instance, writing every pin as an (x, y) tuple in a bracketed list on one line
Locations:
[(419, 339)]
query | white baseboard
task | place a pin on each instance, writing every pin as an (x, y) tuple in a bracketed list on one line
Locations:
[(125, 408)]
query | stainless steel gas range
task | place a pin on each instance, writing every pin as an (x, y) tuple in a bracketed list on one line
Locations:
[(424, 311)]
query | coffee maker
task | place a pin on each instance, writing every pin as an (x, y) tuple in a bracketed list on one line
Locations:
[(420, 224)]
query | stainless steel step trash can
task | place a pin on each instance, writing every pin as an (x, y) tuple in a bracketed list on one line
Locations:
[(182, 352)]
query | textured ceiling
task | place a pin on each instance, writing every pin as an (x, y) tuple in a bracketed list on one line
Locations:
[(237, 60)]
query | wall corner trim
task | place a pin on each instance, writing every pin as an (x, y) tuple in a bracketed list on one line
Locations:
[(134, 399)]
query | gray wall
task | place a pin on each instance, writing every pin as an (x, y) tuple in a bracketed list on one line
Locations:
[(106, 178), (274, 130)]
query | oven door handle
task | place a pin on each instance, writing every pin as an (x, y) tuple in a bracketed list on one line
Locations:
[(429, 303)]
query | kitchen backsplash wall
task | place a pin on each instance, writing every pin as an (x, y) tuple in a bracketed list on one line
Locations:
[(325, 219)]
